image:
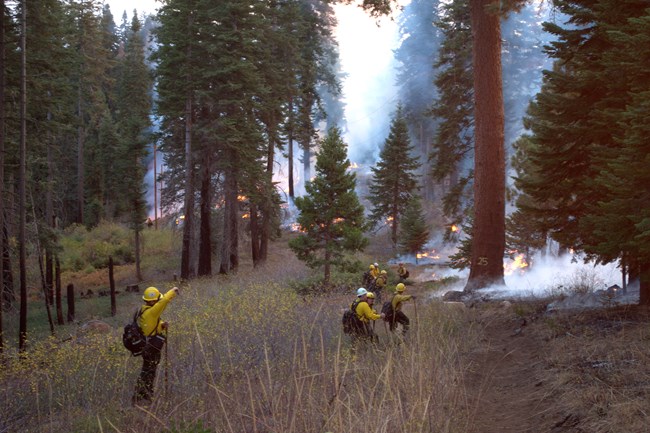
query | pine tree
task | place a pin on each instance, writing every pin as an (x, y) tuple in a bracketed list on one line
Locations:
[(394, 181), (133, 118), (414, 232), (331, 216)]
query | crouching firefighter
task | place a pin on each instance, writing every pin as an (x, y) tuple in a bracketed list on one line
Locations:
[(155, 331)]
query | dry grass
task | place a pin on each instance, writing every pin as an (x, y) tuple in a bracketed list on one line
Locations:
[(600, 365), (247, 357)]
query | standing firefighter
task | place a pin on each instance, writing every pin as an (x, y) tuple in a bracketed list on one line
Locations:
[(398, 315), (155, 331), (367, 276), (379, 284)]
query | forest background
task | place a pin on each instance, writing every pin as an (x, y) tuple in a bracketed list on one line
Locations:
[(87, 103)]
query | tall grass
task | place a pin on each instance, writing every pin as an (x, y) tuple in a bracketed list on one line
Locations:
[(249, 357)]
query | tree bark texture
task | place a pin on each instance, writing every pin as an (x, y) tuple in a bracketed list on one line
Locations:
[(488, 238), (205, 238), (188, 207)]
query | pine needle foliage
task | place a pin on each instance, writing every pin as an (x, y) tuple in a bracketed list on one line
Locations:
[(414, 232), (393, 179), (331, 217)]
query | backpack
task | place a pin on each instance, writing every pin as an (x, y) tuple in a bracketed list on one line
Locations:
[(388, 311), (133, 338), (351, 322)]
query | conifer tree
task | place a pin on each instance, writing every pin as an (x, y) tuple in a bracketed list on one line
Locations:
[(394, 181), (414, 231), (331, 216), (134, 123)]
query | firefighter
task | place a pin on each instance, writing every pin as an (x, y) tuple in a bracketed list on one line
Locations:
[(402, 272), (375, 271), (398, 315), (367, 276), (156, 332), (379, 284), (366, 314)]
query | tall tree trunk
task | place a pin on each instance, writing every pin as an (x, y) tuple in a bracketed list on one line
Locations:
[(155, 189), (80, 158), (267, 199), (8, 293), (644, 282), (2, 167), (49, 217), (205, 238), (488, 239), (188, 207), (137, 234), (229, 248), (255, 232), (22, 179), (290, 149), (57, 291)]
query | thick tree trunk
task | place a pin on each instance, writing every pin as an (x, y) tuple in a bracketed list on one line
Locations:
[(488, 237), (111, 285), (8, 293), (205, 238), (188, 208)]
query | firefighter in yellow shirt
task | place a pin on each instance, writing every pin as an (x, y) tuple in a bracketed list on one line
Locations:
[(398, 315), (366, 314), (155, 330)]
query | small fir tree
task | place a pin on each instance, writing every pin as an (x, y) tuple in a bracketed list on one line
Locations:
[(331, 216), (393, 180), (414, 232)]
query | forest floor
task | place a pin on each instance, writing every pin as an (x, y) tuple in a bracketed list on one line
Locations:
[(577, 370)]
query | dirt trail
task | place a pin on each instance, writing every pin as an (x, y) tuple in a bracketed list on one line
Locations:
[(505, 383)]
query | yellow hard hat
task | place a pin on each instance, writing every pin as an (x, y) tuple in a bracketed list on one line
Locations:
[(383, 272), (372, 267), (399, 287), (151, 294), (370, 295)]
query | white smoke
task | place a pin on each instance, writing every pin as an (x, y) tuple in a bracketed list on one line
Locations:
[(366, 49)]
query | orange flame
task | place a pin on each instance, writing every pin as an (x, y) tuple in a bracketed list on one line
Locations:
[(518, 264), (454, 228)]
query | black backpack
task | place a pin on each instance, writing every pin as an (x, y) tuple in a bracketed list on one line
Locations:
[(133, 338), (388, 311), (351, 322)]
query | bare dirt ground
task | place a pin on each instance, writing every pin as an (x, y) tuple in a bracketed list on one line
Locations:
[(582, 370), (577, 371)]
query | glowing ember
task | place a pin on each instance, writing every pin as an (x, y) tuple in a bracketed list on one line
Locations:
[(454, 228), (353, 166), (246, 216), (242, 198)]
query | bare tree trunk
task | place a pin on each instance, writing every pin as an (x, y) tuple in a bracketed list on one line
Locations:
[(49, 217), (188, 207), (255, 233), (155, 189), (290, 149), (80, 158), (111, 283), (2, 167), (644, 283), (22, 171), (205, 238), (229, 248), (138, 268), (488, 239), (70, 298), (57, 291)]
